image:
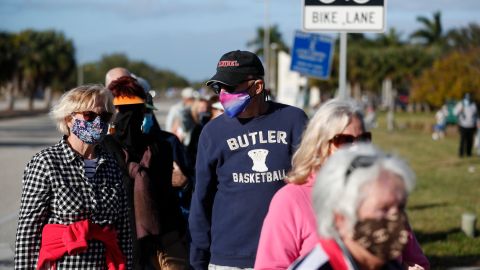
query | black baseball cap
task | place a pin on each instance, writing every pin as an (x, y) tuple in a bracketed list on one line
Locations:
[(237, 66)]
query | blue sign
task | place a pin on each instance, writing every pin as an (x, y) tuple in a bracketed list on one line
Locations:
[(312, 54)]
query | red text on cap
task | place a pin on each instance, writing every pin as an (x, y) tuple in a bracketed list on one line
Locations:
[(228, 63)]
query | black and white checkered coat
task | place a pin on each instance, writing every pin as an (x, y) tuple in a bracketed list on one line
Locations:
[(56, 191)]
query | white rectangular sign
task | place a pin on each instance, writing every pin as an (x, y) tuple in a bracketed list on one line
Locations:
[(346, 16)]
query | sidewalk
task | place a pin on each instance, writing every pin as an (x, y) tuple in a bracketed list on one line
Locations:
[(6, 256), (21, 109)]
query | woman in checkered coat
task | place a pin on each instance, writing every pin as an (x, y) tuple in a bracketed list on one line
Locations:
[(73, 213)]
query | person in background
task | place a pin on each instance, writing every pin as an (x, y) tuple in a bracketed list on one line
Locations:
[(467, 114), (188, 97), (217, 108), (194, 119), (289, 228), (359, 198), (196, 114), (183, 173), (116, 73), (146, 161), (72, 192), (370, 117), (441, 123), (243, 156)]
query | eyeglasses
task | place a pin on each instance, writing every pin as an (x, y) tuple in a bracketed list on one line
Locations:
[(218, 86), (343, 139), (90, 116)]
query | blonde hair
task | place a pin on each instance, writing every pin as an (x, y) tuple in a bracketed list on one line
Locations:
[(331, 119), (195, 107), (80, 99)]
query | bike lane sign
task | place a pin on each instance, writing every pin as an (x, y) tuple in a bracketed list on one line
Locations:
[(344, 15)]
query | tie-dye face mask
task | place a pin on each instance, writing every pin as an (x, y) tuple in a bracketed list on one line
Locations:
[(234, 104), (89, 132)]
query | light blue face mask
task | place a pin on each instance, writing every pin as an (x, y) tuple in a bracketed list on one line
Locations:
[(147, 123)]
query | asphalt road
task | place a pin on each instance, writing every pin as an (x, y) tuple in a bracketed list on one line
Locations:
[(20, 139)]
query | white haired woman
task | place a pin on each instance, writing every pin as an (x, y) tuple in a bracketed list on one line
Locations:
[(72, 212), (289, 229), (358, 199)]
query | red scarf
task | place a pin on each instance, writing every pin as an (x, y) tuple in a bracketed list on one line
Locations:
[(334, 254), (58, 240)]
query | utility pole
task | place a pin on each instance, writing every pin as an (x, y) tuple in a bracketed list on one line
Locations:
[(266, 45), (80, 74)]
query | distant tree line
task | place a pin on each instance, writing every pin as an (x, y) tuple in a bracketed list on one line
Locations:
[(159, 79), (36, 64)]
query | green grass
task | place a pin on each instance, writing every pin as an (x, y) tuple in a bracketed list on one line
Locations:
[(445, 188)]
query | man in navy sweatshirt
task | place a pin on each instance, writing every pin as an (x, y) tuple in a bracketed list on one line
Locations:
[(243, 157)]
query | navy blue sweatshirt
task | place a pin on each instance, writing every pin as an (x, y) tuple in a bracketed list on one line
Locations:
[(240, 165)]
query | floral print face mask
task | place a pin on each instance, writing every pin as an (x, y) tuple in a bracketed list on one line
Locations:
[(89, 132)]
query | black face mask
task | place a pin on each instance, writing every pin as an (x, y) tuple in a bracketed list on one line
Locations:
[(204, 117), (128, 130)]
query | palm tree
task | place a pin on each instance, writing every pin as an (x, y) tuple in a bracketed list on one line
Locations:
[(8, 63), (432, 32), (45, 57), (392, 38), (275, 38), (276, 44), (464, 38), (61, 69)]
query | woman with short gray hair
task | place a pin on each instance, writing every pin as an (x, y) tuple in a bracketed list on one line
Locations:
[(73, 212), (359, 198)]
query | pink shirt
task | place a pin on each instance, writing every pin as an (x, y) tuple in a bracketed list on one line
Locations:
[(289, 230)]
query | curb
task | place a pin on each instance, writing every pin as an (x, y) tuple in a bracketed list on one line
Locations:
[(21, 113)]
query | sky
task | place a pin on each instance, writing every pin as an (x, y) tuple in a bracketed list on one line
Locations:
[(189, 36)]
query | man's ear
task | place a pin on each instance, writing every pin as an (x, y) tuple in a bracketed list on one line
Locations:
[(259, 86)]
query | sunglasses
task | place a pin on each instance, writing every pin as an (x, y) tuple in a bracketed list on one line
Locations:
[(343, 139), (90, 116), (218, 86), (360, 162)]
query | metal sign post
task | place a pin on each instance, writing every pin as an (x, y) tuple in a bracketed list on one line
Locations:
[(342, 77)]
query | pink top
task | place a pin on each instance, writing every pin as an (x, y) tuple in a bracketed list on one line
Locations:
[(289, 230)]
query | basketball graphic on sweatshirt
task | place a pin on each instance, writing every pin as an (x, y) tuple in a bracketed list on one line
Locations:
[(259, 156)]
